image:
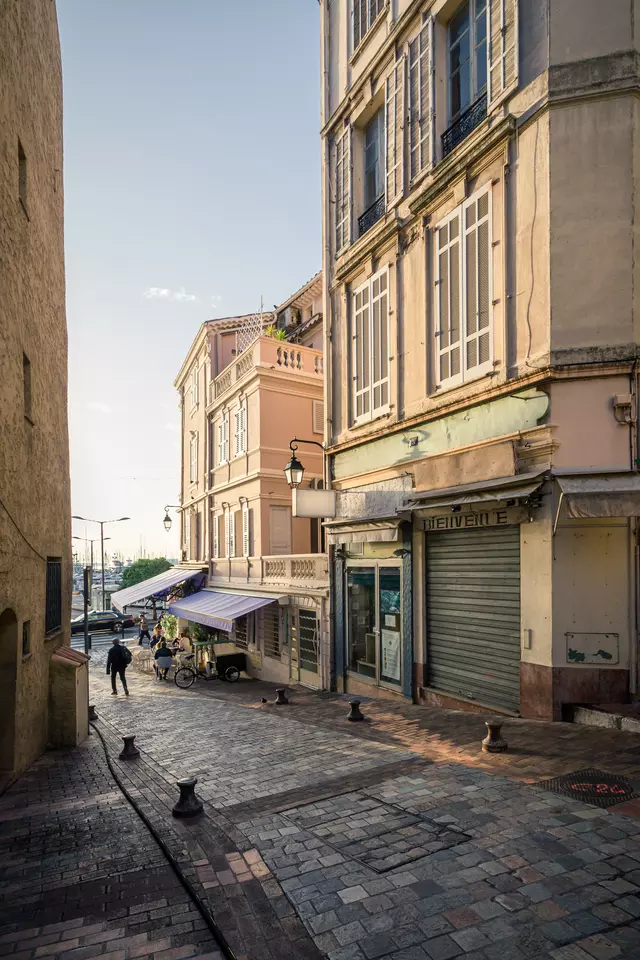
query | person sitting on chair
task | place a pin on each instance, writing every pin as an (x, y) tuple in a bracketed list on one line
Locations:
[(163, 660)]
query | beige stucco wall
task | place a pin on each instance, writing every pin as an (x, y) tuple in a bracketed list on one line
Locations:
[(584, 427), (34, 456)]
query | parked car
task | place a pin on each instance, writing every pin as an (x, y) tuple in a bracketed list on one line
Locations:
[(102, 620)]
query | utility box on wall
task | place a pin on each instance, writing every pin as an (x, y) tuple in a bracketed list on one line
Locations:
[(68, 697)]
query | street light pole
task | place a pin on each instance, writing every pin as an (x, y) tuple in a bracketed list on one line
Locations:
[(102, 539)]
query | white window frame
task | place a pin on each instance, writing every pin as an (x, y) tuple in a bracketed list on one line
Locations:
[(420, 72), (241, 429), (466, 373), (215, 546), (246, 539), (187, 535), (223, 439), (232, 533), (475, 95), (193, 458), (343, 189), (368, 391), (394, 130), (227, 532), (366, 14), (194, 386)]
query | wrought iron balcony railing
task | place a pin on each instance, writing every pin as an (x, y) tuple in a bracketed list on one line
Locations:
[(371, 216), (463, 126)]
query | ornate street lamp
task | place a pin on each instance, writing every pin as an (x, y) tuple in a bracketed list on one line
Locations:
[(167, 519), (294, 471)]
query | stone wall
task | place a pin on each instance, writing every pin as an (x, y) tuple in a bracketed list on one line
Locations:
[(34, 455)]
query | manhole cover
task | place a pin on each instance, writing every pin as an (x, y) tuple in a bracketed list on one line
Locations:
[(377, 834), (592, 786)]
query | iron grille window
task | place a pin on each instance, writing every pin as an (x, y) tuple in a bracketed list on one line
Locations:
[(26, 638), (241, 637), (308, 641), (53, 611), (271, 631)]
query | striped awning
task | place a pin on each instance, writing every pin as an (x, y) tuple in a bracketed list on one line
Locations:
[(219, 610), (153, 587)]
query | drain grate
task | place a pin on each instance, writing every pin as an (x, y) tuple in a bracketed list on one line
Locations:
[(591, 786), (379, 835)]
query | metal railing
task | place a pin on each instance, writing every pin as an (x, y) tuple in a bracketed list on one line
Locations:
[(371, 215), (464, 125)]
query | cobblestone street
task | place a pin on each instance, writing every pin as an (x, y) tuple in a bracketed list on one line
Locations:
[(395, 838)]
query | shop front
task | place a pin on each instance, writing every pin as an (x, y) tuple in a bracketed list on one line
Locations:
[(284, 637), (373, 607)]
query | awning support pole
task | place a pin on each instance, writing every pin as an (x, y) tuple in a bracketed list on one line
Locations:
[(555, 522)]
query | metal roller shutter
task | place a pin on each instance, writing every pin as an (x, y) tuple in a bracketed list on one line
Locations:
[(473, 614)]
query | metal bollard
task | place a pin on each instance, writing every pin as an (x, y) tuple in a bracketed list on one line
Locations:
[(129, 751), (92, 712), (281, 699), (189, 805), (356, 713), (494, 742)]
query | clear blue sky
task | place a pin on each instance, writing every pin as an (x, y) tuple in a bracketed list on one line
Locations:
[(192, 181)]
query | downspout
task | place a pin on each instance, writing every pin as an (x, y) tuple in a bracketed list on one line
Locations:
[(634, 552), (325, 101)]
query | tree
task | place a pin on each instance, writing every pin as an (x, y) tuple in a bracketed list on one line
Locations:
[(144, 569)]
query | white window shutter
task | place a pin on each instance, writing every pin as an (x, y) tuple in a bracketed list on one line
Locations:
[(394, 130), (477, 283), (343, 189), (241, 428), (232, 534), (361, 353), (502, 48), (216, 535), (318, 417), (220, 441), (380, 341), (448, 301), (421, 131), (359, 21), (227, 532), (246, 546)]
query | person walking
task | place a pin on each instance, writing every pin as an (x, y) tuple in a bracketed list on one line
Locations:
[(117, 662), (144, 630), (164, 660)]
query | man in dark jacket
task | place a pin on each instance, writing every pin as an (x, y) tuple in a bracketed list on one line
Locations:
[(117, 663)]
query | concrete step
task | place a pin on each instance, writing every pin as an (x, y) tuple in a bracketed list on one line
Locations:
[(623, 717)]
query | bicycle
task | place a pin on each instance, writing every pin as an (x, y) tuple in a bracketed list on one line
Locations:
[(186, 675)]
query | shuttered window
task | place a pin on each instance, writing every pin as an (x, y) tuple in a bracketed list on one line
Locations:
[(53, 596), (394, 125), (270, 617), (246, 539), (215, 543), (232, 534), (318, 417), (365, 14), (194, 386), (420, 101), (241, 429), (502, 48), (371, 347), (227, 533), (463, 292), (223, 439), (343, 189), (193, 458)]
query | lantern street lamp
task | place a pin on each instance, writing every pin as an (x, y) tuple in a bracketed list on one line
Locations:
[(167, 519), (294, 471)]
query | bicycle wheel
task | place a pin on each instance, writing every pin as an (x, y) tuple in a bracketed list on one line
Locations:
[(232, 674), (184, 678)]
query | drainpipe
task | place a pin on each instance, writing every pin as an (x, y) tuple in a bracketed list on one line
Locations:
[(634, 550)]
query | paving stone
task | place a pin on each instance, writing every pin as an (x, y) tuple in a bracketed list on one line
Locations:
[(470, 939), (349, 933), (442, 948), (600, 947)]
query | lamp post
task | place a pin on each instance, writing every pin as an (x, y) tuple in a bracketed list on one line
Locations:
[(294, 471), (87, 540), (167, 519), (102, 538)]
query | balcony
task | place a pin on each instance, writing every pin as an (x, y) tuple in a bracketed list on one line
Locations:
[(272, 354), (293, 572), (374, 213), (464, 125)]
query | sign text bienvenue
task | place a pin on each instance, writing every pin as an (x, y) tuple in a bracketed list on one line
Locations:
[(469, 521)]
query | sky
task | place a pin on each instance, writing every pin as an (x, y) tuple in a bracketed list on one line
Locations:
[(192, 188)]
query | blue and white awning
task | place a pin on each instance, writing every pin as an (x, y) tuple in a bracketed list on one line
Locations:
[(154, 586), (219, 610)]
